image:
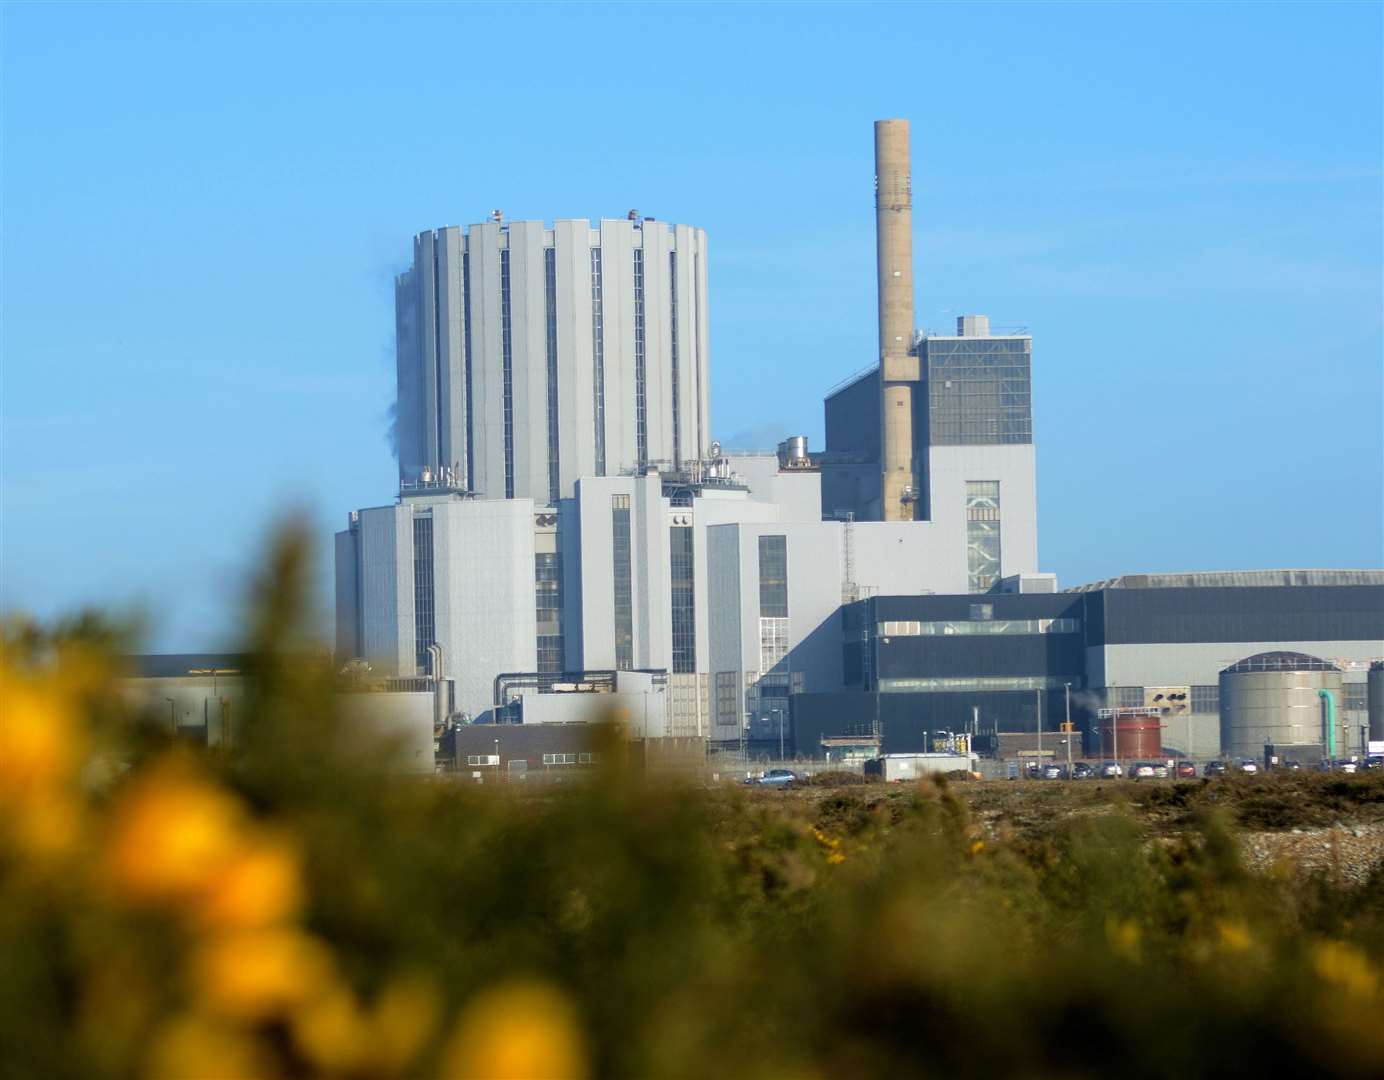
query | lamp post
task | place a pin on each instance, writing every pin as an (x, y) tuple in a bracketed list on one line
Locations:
[(1069, 730), (172, 717)]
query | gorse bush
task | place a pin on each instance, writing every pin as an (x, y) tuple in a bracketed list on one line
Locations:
[(285, 908)]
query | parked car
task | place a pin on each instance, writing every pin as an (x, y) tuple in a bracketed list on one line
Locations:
[(1213, 768), (1141, 770), (1248, 765), (1111, 770), (1292, 765), (1186, 770), (1374, 763), (1347, 766), (782, 778), (1082, 771), (1053, 771), (1160, 770)]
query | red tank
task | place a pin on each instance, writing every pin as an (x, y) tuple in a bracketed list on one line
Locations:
[(1140, 735)]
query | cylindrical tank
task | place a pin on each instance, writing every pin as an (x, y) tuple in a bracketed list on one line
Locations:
[(1140, 735), (792, 452), (1273, 698), (1374, 687)]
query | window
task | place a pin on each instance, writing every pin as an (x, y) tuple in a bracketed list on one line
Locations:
[(1354, 696), (907, 628), (641, 413), (424, 626), (975, 684), (559, 759), (547, 577), (550, 305), (587, 759), (684, 599), (482, 759), (773, 576), (507, 358), (978, 391), (624, 598), (728, 711), (598, 357), (466, 344), (673, 355), (981, 612), (982, 536), (1206, 699)]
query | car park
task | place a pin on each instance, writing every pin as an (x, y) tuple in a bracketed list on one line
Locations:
[(1082, 771), (1110, 770), (1186, 770), (1213, 768)]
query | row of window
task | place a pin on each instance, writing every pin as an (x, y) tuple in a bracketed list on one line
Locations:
[(569, 759), (641, 416), (507, 358), (624, 586), (550, 306), (684, 599), (974, 684), (424, 620), (915, 628)]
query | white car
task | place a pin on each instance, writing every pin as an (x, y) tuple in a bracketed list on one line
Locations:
[(1141, 770), (1249, 765)]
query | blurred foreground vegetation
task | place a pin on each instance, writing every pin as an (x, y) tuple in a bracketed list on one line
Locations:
[(285, 909)]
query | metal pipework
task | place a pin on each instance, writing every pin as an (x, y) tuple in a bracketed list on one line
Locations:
[(898, 363)]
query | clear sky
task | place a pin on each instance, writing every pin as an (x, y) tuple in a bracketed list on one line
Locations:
[(203, 208)]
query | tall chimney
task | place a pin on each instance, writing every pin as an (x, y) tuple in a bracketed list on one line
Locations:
[(898, 363)]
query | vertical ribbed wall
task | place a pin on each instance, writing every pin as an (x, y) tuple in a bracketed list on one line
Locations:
[(470, 353)]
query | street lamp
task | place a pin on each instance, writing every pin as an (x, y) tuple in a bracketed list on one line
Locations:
[(1069, 729), (172, 717)]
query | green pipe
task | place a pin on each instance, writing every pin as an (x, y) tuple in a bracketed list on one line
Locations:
[(1325, 695)]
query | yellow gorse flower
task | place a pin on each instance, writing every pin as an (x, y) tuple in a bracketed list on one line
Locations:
[(523, 1030)]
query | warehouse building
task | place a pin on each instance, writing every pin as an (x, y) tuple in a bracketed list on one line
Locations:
[(1010, 662)]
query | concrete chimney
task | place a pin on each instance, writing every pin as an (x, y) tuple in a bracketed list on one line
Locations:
[(898, 362)]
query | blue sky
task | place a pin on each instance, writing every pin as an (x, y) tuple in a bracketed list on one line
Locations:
[(204, 205)]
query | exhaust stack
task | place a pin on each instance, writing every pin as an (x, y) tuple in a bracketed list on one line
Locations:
[(898, 362)]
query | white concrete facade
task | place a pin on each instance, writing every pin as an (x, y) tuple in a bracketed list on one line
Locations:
[(530, 356)]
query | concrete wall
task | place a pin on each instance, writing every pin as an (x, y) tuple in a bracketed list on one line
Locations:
[(483, 570), (396, 729)]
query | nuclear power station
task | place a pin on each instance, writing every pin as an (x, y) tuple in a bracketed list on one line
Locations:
[(567, 531)]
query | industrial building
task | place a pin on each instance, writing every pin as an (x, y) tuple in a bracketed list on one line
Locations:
[(532, 355), (562, 509), (1008, 663), (564, 520)]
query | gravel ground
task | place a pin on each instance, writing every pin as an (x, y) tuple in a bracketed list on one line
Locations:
[(1347, 853)]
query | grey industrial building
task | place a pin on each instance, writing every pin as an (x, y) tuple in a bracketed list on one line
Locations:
[(564, 511), (1006, 663)]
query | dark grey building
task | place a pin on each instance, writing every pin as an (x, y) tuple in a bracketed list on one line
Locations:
[(927, 663), (976, 391)]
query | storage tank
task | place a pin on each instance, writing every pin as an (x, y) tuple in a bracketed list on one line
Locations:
[(1274, 697), (1374, 687), (1139, 731)]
